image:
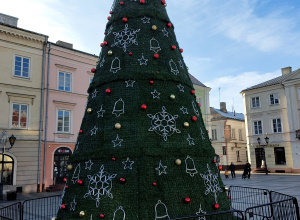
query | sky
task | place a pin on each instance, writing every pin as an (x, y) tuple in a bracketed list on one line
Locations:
[(229, 45)]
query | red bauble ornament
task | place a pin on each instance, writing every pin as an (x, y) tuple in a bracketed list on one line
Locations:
[(194, 118), (101, 215), (169, 25), (113, 159), (122, 180), (216, 206), (163, 2), (110, 12), (220, 167), (193, 92), (108, 17), (214, 161), (156, 56), (173, 47), (199, 104), (81, 131), (122, 3), (79, 182), (181, 50), (124, 19), (143, 107), (105, 33), (154, 183), (67, 187), (142, 2), (108, 91), (130, 53), (105, 43), (102, 44), (93, 70), (228, 196), (151, 82), (63, 206), (187, 200), (207, 131), (65, 179)]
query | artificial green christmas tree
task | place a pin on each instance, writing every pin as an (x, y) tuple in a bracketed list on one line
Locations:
[(143, 151)]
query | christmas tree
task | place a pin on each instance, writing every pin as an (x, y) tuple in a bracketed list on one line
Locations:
[(143, 151)]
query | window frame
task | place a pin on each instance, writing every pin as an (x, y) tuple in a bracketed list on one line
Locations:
[(251, 102), (240, 131), (224, 150), (214, 134), (274, 99), (22, 66), (275, 156), (64, 86), (272, 122), (63, 127), (238, 156), (233, 136), (253, 124), (19, 120)]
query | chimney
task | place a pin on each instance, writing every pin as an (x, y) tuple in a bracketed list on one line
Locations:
[(286, 70), (64, 44), (223, 107), (8, 20)]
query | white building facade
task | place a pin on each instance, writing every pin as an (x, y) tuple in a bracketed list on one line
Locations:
[(272, 110)]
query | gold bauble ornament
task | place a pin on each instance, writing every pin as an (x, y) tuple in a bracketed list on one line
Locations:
[(82, 214), (89, 110), (186, 124), (165, 5), (226, 188), (187, 68), (109, 52), (118, 126), (154, 27), (70, 167), (54, 218), (178, 162), (172, 96)]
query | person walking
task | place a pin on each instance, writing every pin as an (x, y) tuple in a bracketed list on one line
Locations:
[(232, 169), (248, 169)]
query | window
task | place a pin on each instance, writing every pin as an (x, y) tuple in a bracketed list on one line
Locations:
[(91, 79), (277, 125), (214, 134), (257, 127), (64, 81), (238, 156), (8, 168), (240, 134), (279, 155), (63, 121), (22, 65), (274, 100), (19, 116), (255, 102), (298, 93), (232, 134), (224, 150)]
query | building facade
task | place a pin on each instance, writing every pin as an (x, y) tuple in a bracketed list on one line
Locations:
[(228, 136), (272, 115), (65, 98), (21, 74)]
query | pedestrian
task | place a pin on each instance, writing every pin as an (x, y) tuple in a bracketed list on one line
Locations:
[(248, 169), (232, 169), (226, 174)]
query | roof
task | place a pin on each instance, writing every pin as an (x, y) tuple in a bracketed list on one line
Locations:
[(7, 25), (228, 115), (79, 51), (271, 82), (196, 81)]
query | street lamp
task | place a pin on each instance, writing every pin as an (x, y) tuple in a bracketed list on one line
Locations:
[(3, 140), (264, 145)]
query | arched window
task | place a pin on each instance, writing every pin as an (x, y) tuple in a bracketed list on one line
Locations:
[(8, 169)]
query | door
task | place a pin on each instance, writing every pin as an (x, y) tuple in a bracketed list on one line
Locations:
[(61, 161), (260, 155)]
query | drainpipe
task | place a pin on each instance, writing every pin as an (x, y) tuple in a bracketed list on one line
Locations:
[(226, 143), (41, 115), (46, 118)]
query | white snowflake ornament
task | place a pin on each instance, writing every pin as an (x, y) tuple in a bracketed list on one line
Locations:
[(163, 123), (125, 38), (100, 186)]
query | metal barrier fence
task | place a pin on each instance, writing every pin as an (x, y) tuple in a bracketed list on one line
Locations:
[(11, 212), (41, 208), (246, 203)]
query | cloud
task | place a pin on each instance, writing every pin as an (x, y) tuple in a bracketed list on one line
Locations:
[(231, 86)]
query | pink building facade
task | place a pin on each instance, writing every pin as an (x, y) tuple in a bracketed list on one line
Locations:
[(68, 75)]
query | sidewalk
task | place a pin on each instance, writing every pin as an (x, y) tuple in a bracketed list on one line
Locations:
[(285, 183), (22, 197)]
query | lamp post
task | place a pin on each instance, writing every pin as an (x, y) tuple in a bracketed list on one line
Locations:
[(264, 145), (3, 140)]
